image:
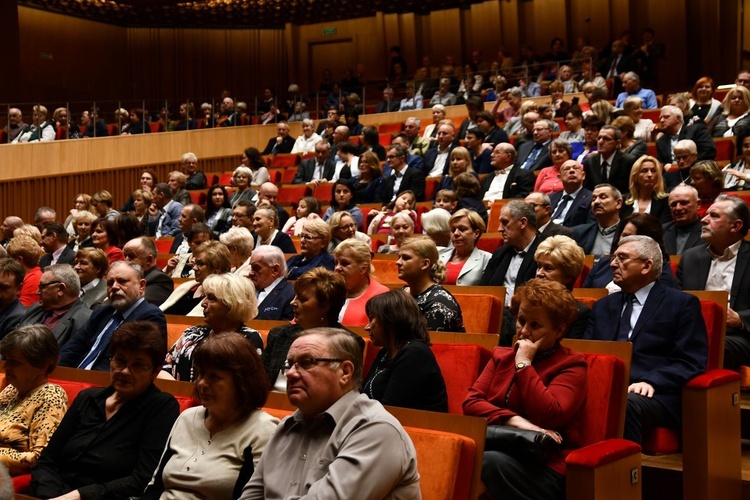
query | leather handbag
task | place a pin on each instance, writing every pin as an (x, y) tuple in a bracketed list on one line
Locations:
[(530, 446)]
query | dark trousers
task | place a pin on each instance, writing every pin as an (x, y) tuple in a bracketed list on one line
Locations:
[(507, 478), (736, 350), (645, 413)]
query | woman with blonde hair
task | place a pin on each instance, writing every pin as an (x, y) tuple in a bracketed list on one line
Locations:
[(465, 262), (644, 127), (369, 180), (419, 265), (402, 227), (459, 163), (734, 121), (647, 190), (603, 110), (82, 222), (354, 262), (344, 227), (81, 203)]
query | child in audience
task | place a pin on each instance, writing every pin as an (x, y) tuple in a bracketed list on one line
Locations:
[(381, 224), (307, 208), (446, 199)]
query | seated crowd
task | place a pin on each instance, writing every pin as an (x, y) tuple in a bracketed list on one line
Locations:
[(88, 293)]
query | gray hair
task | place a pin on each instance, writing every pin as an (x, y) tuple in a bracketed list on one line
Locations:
[(272, 255), (690, 189), (414, 119), (738, 210), (65, 274), (633, 75), (132, 265), (36, 343), (519, 209), (674, 110), (687, 145), (308, 121), (647, 248), (240, 239), (616, 194), (342, 346), (436, 220), (188, 156)]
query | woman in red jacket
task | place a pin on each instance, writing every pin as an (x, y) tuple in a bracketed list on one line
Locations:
[(537, 385)]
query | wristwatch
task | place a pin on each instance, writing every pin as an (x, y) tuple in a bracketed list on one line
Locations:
[(522, 364)]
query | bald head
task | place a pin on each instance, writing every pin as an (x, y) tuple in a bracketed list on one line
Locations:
[(10, 224), (268, 191)]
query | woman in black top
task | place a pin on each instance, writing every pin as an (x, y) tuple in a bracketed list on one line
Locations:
[(405, 372), (110, 440)]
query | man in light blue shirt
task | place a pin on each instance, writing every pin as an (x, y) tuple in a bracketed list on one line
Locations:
[(631, 82)]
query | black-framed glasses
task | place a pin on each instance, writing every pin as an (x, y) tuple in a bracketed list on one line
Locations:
[(622, 258), (307, 363), (42, 286)]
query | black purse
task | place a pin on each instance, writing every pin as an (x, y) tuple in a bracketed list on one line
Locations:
[(526, 445)]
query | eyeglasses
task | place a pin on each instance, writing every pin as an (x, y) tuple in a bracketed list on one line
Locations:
[(307, 363), (43, 285), (622, 258), (308, 237), (604, 138), (120, 365)]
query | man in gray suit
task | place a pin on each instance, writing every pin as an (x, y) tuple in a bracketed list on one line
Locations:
[(59, 307)]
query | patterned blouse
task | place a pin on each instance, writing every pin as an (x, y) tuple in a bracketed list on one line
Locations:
[(26, 426), (440, 309), (179, 360)]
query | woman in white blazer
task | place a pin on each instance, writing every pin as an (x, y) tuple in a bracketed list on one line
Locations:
[(465, 262)]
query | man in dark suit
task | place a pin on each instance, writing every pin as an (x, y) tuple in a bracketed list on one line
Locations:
[(274, 292), (142, 251), (88, 348), (672, 125), (55, 243), (513, 263), (724, 265), (282, 143), (543, 210), (11, 309), (609, 165), (437, 159), (164, 213), (414, 161), (270, 192), (684, 231), (572, 206), (403, 177), (59, 307), (685, 156), (474, 105), (665, 325), (389, 102), (616, 65), (535, 155), (189, 215), (596, 238), (507, 180), (318, 169)]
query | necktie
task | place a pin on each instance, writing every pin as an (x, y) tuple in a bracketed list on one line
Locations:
[(623, 329), (532, 157), (605, 177), (258, 291), (102, 342), (561, 206), (613, 68)]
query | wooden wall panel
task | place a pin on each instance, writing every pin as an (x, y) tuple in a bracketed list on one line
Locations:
[(10, 58), (484, 29), (445, 35)]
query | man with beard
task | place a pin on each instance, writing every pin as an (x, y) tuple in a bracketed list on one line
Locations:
[(88, 348)]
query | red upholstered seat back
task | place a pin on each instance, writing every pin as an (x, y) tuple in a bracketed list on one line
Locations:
[(489, 242), (482, 313), (71, 388), (599, 419), (460, 365), (292, 193), (186, 402), (284, 160)]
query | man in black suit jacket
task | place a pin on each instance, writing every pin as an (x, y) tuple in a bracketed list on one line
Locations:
[(665, 325), (59, 306), (190, 214), (518, 227), (619, 164), (517, 183), (596, 238), (88, 348), (408, 178), (572, 206), (724, 228), (672, 125), (55, 243), (142, 251), (11, 309), (535, 155), (616, 65), (318, 169), (684, 231), (389, 103), (445, 135), (543, 210), (282, 143), (275, 293)]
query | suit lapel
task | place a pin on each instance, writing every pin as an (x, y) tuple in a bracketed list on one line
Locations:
[(654, 300), (471, 263)]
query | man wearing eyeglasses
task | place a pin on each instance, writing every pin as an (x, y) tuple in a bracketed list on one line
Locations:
[(666, 329), (609, 165), (88, 348), (59, 307), (338, 443)]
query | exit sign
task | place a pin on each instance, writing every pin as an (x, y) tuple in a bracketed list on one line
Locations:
[(331, 30)]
